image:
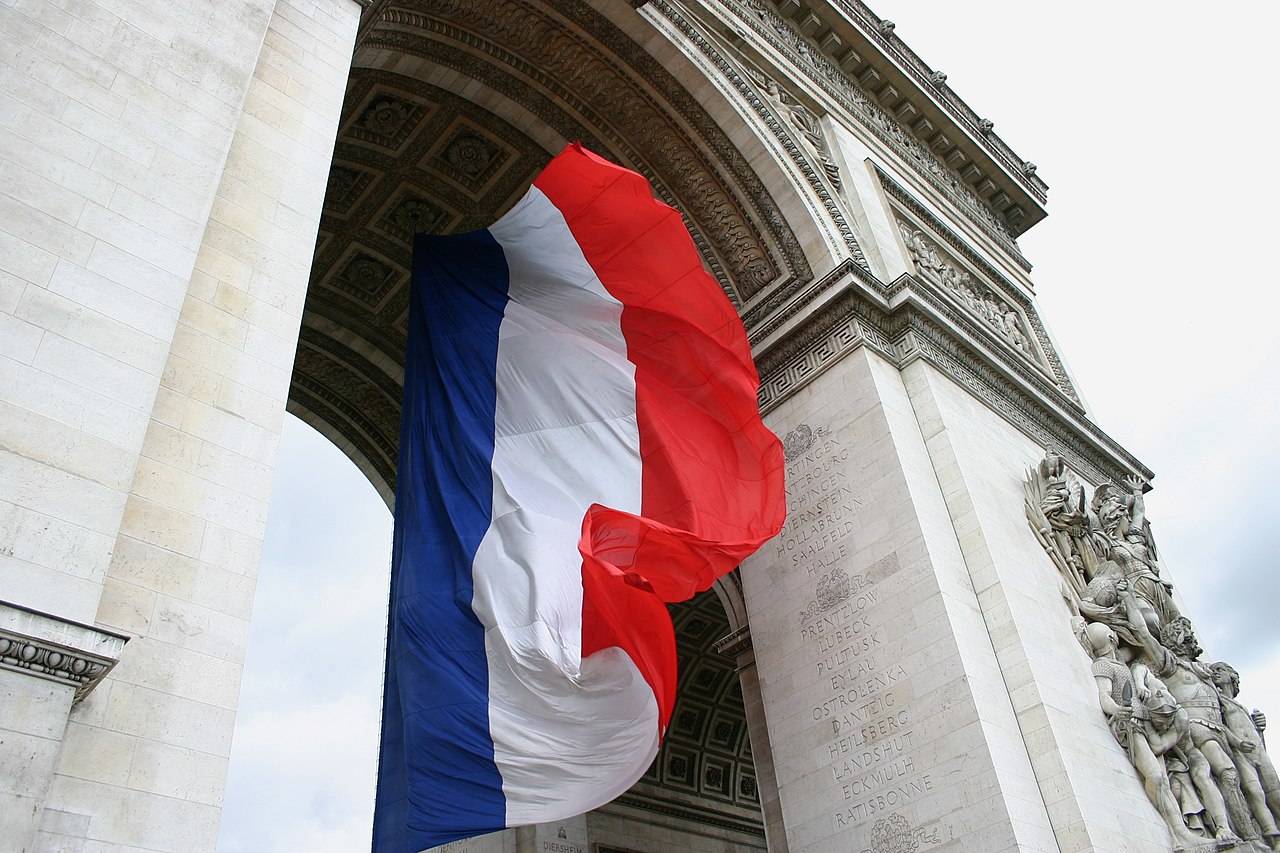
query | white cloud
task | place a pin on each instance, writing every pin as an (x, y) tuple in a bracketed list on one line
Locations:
[(305, 750)]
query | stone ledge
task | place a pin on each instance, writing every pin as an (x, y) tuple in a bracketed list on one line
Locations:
[(57, 649), (734, 644)]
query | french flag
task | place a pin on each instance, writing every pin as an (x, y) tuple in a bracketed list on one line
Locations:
[(580, 445)]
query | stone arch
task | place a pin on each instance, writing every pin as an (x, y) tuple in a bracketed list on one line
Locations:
[(703, 783), (451, 109)]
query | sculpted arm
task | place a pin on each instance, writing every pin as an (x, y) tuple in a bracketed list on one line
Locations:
[(1109, 706), (1138, 507)]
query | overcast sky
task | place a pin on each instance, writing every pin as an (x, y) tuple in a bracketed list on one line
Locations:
[(1156, 272)]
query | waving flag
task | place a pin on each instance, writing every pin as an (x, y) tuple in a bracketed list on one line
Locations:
[(580, 445)]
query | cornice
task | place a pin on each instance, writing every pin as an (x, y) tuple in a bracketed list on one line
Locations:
[(734, 644), (946, 309), (896, 191), (881, 32), (914, 328), (1008, 289), (55, 649), (813, 60), (681, 811), (783, 306)]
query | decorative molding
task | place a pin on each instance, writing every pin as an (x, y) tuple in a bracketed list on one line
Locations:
[(777, 113), (1080, 440), (694, 814), (56, 649), (898, 193), (1014, 360), (979, 299), (1006, 288), (782, 304), (913, 329), (935, 82), (733, 644), (775, 30)]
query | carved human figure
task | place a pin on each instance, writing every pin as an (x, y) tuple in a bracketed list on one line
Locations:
[(1108, 599), (925, 255), (1013, 330), (1173, 658), (1063, 506), (1116, 692), (806, 123), (1258, 777), (1166, 729), (1124, 538), (991, 310)]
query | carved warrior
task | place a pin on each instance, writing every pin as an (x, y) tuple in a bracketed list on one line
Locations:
[(1198, 751), (977, 297), (1258, 777)]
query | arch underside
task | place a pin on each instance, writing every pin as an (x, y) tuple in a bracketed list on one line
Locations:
[(704, 775), (451, 110)]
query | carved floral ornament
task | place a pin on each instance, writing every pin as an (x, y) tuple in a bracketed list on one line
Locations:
[(895, 834), (54, 662), (1199, 752), (981, 300)]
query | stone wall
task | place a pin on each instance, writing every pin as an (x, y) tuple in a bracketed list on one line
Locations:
[(164, 166)]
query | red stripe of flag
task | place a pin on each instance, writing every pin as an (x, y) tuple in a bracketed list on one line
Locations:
[(713, 486)]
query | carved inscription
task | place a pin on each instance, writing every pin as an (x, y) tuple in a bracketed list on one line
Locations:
[(463, 846), (863, 706), (821, 504)]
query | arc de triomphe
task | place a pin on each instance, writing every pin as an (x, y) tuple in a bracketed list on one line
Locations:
[(187, 253)]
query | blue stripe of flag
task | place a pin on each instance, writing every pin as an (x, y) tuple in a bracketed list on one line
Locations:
[(435, 730)]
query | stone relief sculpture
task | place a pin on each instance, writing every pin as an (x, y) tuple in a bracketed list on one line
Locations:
[(1198, 751), (1258, 779), (800, 118), (977, 297)]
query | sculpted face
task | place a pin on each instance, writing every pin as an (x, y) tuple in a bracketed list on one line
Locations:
[(1107, 503), (1101, 638), (1190, 645), (1162, 717), (1179, 637), (1225, 678)]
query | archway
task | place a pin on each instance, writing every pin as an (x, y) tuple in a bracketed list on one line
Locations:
[(451, 110), (701, 792)]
